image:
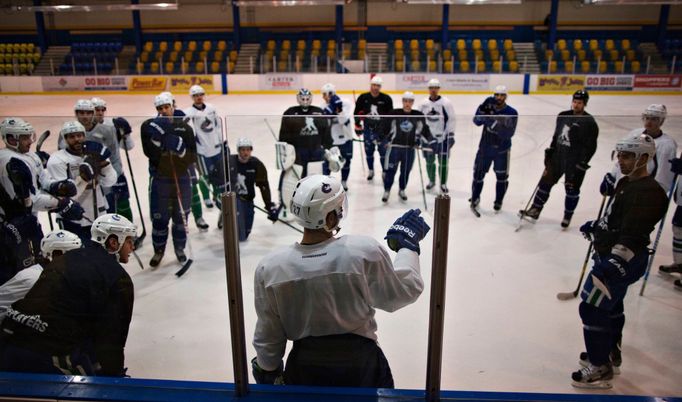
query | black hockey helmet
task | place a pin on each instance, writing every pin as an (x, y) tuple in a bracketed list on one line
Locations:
[(582, 95)]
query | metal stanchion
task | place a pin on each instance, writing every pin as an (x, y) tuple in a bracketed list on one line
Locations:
[(441, 225), (234, 293)]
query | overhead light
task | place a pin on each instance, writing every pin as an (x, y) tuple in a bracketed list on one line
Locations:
[(460, 2), (629, 2), (98, 7), (289, 3)]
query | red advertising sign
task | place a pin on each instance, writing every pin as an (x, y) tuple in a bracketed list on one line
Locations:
[(658, 82)]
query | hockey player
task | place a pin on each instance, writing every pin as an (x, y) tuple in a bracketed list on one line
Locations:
[(169, 144), (499, 124), (52, 246), (322, 293), (573, 144), (407, 129), (440, 116), (341, 129), (119, 196), (371, 105), (85, 165), (620, 240), (75, 319), (208, 131), (23, 182), (676, 266), (247, 171)]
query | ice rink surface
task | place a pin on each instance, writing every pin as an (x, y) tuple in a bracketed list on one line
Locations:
[(504, 331)]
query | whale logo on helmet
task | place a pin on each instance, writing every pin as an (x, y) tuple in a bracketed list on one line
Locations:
[(326, 188)]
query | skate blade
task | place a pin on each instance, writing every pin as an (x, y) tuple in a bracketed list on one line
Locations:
[(604, 384), (585, 363), (566, 296)]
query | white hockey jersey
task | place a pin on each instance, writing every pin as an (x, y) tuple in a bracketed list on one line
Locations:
[(440, 116), (42, 201), (106, 135), (207, 129), (328, 288), (128, 143), (64, 165), (17, 287), (342, 124)]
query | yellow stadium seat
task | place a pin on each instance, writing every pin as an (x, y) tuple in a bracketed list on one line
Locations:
[(602, 67), (233, 55), (594, 45), (508, 44), (192, 46), (549, 54), (625, 44), (3, 47), (511, 55), (36, 58), (565, 54), (300, 44), (317, 45), (478, 54), (432, 65), (581, 54), (577, 44), (230, 66), (635, 67), (414, 55), (362, 44), (2, 58), (481, 66), (331, 53), (496, 66), (552, 66), (464, 66), (346, 53), (215, 67), (218, 55), (281, 65), (154, 67), (361, 54), (431, 53), (447, 66), (597, 54), (492, 44), (561, 44), (199, 67), (630, 54), (614, 55), (158, 55), (414, 44), (169, 68), (189, 56), (177, 46), (584, 66), (447, 54), (23, 69), (462, 55), (173, 56), (331, 43), (476, 44), (144, 56), (494, 54), (568, 67), (609, 44), (461, 44), (163, 46), (206, 46), (429, 44), (203, 55), (270, 45), (399, 65), (618, 66), (284, 54), (415, 65), (148, 46), (222, 45), (286, 44)]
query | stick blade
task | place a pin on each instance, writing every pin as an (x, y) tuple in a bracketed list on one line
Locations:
[(184, 268), (566, 295)]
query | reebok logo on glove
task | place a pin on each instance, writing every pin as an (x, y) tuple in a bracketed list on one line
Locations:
[(405, 229)]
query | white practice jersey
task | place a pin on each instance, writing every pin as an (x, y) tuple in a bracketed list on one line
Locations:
[(106, 135), (666, 149), (42, 201), (17, 287), (328, 288), (440, 117), (128, 143), (64, 165), (207, 129), (342, 124)]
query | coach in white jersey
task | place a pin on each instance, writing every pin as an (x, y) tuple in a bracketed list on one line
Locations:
[(440, 117), (341, 129), (208, 132), (322, 292)]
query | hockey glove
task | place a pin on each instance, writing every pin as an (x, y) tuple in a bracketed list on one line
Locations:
[(96, 149), (69, 209), (273, 212), (407, 231), (358, 129), (676, 165), (64, 188), (587, 229), (123, 128), (44, 157), (120, 189), (263, 376), (608, 185), (21, 177), (88, 169), (335, 105), (173, 143), (549, 152)]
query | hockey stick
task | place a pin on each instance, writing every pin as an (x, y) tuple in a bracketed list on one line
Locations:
[(521, 213), (267, 123), (39, 144), (362, 147), (189, 261), (279, 220), (421, 177), (574, 294), (673, 185), (140, 238)]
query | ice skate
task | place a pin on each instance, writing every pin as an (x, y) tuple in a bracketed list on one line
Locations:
[(473, 205), (384, 198), (533, 213), (180, 254), (402, 195), (443, 189), (344, 185), (497, 206), (220, 222), (670, 269), (430, 185), (156, 259), (201, 224), (615, 357), (593, 377), (370, 176), (566, 221), (209, 203)]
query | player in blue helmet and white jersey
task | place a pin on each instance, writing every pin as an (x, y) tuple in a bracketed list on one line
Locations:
[(341, 130)]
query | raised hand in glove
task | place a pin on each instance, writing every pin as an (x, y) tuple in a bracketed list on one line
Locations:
[(88, 169), (273, 212), (94, 148), (263, 376), (407, 231), (335, 105), (123, 128), (608, 185), (21, 177), (63, 188), (69, 209)]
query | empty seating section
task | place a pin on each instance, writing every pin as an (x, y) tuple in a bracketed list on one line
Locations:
[(190, 57), (582, 56), (90, 57), (18, 58), (672, 51), (456, 56), (299, 55)]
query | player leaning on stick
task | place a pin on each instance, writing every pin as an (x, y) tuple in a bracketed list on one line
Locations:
[(573, 144), (620, 240), (322, 293)]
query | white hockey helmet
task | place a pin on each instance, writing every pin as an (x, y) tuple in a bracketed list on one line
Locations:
[(656, 110), (112, 225), (196, 90), (84, 105), (434, 83), (98, 102), (376, 80), (638, 144), (71, 127), (167, 93), (407, 95), (328, 89), (314, 197), (304, 98), (244, 142), (59, 240), (15, 127), (501, 90), (164, 98)]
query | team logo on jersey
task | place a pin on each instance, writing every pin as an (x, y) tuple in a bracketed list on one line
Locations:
[(309, 128), (433, 115), (241, 184), (373, 112), (326, 188), (206, 126), (406, 126), (564, 138)]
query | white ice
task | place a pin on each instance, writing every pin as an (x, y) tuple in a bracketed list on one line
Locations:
[(504, 330)]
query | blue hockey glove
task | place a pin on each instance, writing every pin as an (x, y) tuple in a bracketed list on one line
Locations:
[(335, 105), (263, 376), (69, 209), (587, 229), (676, 165), (611, 267), (64, 188), (87, 170), (96, 149), (273, 212), (44, 157), (407, 231), (120, 189), (21, 177), (123, 128), (608, 185), (173, 143)]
